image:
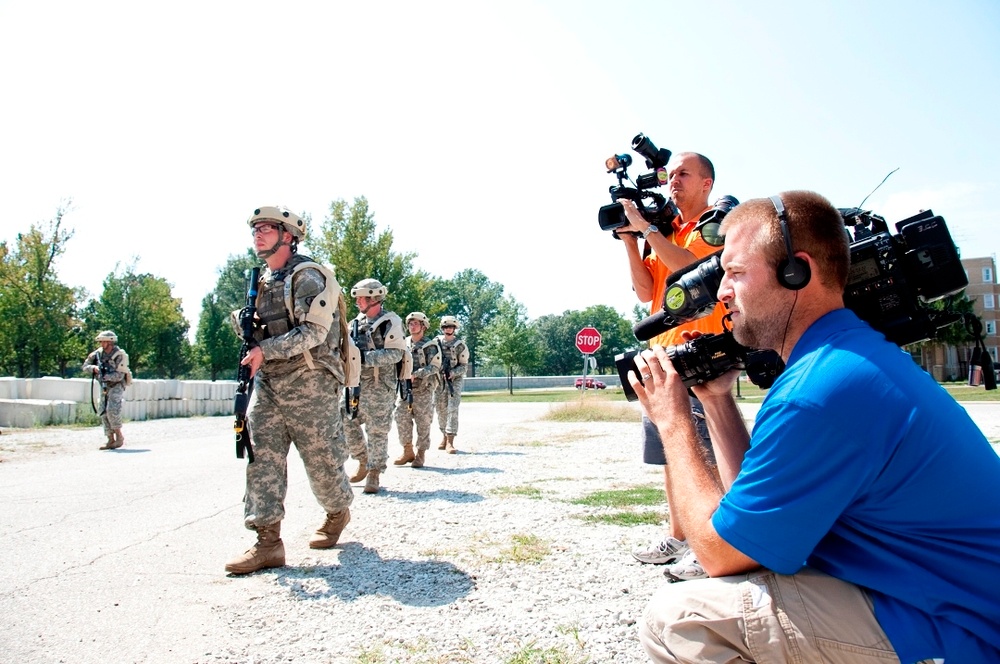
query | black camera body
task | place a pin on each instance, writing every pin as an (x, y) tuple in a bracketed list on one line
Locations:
[(660, 210), (893, 276), (890, 281), (707, 357)]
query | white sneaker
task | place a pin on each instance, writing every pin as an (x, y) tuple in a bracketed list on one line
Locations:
[(688, 569), (669, 550)]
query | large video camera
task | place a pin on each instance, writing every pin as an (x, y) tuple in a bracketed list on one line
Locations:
[(660, 210), (891, 280)]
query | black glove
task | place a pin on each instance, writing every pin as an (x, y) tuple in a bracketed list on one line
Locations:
[(362, 351)]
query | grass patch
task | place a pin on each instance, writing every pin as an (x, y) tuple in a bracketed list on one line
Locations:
[(524, 549), (532, 654), (587, 410), (746, 392), (643, 496), (524, 491), (626, 519)]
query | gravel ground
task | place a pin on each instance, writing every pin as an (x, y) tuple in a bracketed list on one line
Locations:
[(482, 556)]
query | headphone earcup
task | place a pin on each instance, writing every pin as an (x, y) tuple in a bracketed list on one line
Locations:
[(794, 274)]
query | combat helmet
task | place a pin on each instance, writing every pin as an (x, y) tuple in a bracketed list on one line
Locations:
[(450, 320), (107, 335), (420, 316), (284, 217), (370, 288)]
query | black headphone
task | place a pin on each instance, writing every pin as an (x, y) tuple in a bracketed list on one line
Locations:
[(793, 272)]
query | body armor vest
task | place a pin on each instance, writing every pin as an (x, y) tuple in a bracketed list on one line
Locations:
[(273, 301)]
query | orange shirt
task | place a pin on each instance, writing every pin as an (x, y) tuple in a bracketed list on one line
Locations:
[(683, 236)]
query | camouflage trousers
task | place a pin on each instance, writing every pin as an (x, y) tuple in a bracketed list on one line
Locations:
[(420, 418), (111, 407), (300, 409), (368, 434), (447, 403)]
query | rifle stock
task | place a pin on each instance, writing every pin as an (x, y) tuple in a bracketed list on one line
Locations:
[(244, 386)]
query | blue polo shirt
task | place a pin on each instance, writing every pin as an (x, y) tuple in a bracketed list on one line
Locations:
[(863, 467)]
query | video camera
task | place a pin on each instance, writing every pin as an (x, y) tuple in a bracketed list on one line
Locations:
[(660, 210), (891, 280)]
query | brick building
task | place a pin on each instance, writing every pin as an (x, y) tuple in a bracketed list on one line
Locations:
[(950, 362)]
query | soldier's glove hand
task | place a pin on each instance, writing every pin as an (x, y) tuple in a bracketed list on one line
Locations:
[(362, 351)]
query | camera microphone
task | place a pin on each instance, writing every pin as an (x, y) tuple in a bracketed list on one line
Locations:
[(654, 325)]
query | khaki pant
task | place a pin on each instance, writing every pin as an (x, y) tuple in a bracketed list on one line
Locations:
[(764, 617)]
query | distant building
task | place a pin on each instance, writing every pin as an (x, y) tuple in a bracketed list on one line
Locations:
[(983, 290), (952, 363)]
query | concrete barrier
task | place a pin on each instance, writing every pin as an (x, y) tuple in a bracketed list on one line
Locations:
[(30, 402)]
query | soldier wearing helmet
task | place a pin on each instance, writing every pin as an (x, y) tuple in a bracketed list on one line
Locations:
[(454, 364), (274, 228), (109, 364), (298, 367), (426, 355), (378, 334)]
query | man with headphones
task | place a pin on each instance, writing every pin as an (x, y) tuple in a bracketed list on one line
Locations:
[(691, 177), (861, 520)]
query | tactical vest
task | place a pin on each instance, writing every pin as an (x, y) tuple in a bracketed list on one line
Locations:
[(371, 335), (421, 351), (276, 308), (119, 359), (457, 352)]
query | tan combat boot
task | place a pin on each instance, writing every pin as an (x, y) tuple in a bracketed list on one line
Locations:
[(362, 469), (371, 485), (407, 456), (119, 439), (418, 461), (328, 534), (450, 443), (269, 551), (444, 441), (110, 445)]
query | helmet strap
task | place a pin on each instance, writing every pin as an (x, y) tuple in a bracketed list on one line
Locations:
[(264, 254)]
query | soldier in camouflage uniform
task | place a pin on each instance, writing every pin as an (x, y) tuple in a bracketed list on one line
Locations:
[(426, 371), (379, 336), (110, 364), (454, 364), (299, 371)]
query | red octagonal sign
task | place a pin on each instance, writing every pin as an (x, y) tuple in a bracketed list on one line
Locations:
[(588, 340)]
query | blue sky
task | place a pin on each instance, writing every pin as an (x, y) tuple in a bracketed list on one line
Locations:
[(478, 131)]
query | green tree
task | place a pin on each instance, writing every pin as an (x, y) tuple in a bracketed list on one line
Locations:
[(37, 311), (217, 346), (349, 241), (558, 336), (509, 341), (475, 300), (148, 320)]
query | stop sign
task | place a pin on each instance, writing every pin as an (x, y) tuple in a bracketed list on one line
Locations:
[(588, 340)]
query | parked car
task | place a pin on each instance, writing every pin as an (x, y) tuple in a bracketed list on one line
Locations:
[(592, 383)]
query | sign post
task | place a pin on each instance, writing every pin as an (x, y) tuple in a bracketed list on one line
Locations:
[(588, 342)]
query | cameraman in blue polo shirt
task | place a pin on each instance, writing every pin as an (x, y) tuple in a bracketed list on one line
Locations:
[(860, 522)]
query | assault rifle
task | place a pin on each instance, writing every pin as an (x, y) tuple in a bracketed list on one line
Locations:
[(244, 385), (406, 392), (446, 369), (352, 395)]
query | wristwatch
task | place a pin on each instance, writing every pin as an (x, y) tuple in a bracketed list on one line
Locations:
[(650, 229)]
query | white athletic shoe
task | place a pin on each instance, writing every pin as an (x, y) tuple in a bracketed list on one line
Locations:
[(669, 550), (688, 569)]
